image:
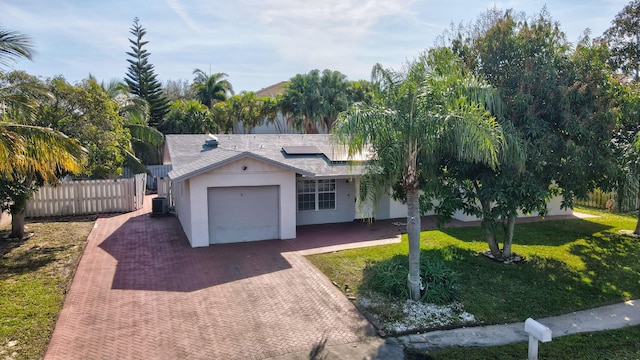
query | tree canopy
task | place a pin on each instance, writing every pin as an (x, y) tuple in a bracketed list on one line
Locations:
[(556, 119)]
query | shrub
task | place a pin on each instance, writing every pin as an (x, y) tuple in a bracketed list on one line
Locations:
[(389, 277)]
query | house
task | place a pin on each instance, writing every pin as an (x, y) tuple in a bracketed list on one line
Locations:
[(247, 187)]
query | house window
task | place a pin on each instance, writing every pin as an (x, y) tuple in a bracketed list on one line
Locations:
[(316, 195)]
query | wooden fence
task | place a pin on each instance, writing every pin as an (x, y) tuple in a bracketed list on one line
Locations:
[(88, 197), (157, 172), (598, 199)]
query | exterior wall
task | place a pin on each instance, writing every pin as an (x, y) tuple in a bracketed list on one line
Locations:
[(5, 218), (553, 207), (344, 211), (182, 199), (256, 173)]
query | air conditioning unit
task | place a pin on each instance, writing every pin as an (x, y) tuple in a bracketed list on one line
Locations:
[(159, 206)]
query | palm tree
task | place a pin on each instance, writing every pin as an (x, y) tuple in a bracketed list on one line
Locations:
[(311, 102), (211, 88), (433, 108), (31, 155)]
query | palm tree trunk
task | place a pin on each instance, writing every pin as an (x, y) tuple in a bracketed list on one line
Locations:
[(413, 233), (17, 224)]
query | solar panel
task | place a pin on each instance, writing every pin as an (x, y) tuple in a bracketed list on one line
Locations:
[(302, 150), (341, 153)]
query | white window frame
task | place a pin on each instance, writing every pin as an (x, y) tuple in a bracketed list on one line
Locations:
[(316, 190)]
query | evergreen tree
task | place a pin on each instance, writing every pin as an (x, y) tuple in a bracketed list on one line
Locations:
[(141, 79)]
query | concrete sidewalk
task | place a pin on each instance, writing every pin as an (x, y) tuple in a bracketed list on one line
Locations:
[(602, 318)]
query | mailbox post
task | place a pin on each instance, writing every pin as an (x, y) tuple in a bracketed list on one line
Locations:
[(537, 332)]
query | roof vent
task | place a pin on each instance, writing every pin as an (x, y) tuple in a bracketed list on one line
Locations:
[(212, 141)]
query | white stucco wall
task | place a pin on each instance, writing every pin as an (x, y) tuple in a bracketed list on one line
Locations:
[(257, 173), (182, 200), (553, 208)]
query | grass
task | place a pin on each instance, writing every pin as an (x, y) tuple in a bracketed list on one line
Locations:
[(569, 265), (621, 344), (34, 277)]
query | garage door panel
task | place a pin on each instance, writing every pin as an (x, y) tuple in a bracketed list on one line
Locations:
[(243, 213)]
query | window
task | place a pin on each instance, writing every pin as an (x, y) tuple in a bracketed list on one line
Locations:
[(316, 195)]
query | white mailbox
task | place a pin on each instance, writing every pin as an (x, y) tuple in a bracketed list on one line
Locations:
[(537, 332)]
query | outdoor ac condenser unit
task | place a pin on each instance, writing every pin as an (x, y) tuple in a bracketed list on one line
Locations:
[(159, 206)]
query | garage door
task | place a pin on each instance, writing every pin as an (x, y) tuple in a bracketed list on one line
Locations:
[(245, 213)]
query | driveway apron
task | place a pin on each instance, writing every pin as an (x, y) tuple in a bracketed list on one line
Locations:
[(141, 292)]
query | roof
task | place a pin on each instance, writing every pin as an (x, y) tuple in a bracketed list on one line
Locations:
[(273, 90), (190, 156)]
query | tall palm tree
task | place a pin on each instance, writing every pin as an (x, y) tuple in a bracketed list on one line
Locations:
[(211, 88), (31, 155), (433, 108)]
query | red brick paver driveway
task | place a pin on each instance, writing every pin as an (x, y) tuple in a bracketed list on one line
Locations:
[(141, 292)]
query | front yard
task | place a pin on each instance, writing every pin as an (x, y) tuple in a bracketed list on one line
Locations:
[(34, 277), (569, 265)]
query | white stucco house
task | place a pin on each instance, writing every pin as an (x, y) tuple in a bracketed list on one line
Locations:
[(247, 187)]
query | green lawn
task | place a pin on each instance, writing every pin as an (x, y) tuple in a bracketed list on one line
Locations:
[(570, 265), (34, 277)]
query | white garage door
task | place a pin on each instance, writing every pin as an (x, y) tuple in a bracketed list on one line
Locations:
[(245, 213)]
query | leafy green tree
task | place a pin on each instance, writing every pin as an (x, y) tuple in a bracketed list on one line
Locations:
[(31, 156), (432, 109), (211, 88), (178, 90), (189, 117), (86, 112), (623, 38), (556, 119), (141, 78), (146, 141)]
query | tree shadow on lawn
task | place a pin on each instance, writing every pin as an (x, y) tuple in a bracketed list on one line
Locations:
[(495, 292), (19, 257), (545, 233), (612, 264)]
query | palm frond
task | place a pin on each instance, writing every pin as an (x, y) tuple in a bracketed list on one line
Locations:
[(14, 45)]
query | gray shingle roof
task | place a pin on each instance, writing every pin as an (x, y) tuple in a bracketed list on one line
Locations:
[(190, 157)]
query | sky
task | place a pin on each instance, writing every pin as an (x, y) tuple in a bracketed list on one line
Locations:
[(257, 43)]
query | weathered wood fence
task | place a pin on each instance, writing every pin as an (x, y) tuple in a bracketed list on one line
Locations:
[(157, 172), (598, 199), (88, 197)]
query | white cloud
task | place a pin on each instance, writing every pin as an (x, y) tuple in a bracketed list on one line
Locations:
[(179, 9)]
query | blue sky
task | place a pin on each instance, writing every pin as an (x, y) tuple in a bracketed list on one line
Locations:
[(257, 43)]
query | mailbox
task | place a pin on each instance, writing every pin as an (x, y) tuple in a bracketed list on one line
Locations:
[(537, 330)]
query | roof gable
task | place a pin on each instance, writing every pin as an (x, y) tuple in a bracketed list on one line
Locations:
[(202, 166), (190, 156)]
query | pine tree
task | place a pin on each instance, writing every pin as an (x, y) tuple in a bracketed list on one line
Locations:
[(141, 78)]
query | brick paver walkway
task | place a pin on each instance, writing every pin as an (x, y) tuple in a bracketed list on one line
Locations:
[(141, 292)]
